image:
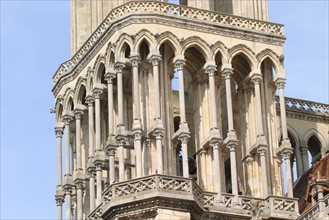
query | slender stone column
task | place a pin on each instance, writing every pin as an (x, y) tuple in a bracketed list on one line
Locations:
[(118, 69), (137, 126), (111, 155), (59, 134), (79, 187), (59, 203), (121, 133), (262, 156), (155, 60), (99, 183), (179, 64), (77, 115), (121, 161), (231, 140), (159, 129), (78, 177), (109, 77), (286, 155), (256, 79), (304, 153), (67, 120), (262, 147), (184, 139), (92, 190), (217, 171), (280, 83), (91, 168), (158, 142), (215, 137), (97, 93), (227, 71), (184, 134), (68, 202)]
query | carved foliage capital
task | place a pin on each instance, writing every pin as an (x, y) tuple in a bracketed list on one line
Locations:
[(59, 201), (59, 132), (280, 83), (135, 59), (256, 78), (111, 152), (211, 70), (179, 64), (119, 67), (184, 138), (155, 59)]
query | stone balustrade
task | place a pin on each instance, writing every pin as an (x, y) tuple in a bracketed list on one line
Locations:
[(188, 190), (166, 9), (315, 212), (304, 105)]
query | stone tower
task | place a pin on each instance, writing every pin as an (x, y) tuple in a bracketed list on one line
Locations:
[(168, 111)]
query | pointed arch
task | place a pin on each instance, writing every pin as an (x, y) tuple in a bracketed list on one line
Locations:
[(90, 81), (81, 91), (198, 43), (271, 55), (313, 132), (123, 42), (110, 55), (69, 100), (59, 109), (98, 68), (172, 40), (246, 52), (144, 36), (219, 47)]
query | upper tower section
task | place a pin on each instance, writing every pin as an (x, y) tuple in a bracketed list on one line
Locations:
[(86, 15)]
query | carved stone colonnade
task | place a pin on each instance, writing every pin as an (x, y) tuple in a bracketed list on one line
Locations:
[(121, 74)]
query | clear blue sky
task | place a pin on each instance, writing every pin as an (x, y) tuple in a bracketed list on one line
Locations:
[(35, 40)]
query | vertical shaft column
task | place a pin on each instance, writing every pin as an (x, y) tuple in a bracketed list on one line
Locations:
[(158, 143), (68, 202), (91, 168), (262, 145), (184, 140), (109, 76), (184, 134), (78, 177), (97, 94), (280, 82), (59, 203), (67, 120), (286, 145), (215, 137), (231, 140), (121, 161), (180, 66), (98, 183), (121, 133), (159, 129), (111, 155), (286, 155), (304, 153), (59, 133), (256, 79), (137, 126)]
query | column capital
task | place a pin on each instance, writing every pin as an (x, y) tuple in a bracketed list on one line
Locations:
[(59, 132), (179, 62), (79, 185), (59, 201), (109, 75), (67, 118), (119, 67), (210, 69), (249, 159), (77, 113), (262, 150), (256, 78), (184, 138), (158, 134), (90, 100), (111, 151), (155, 59), (97, 93), (227, 70), (286, 153), (134, 59)]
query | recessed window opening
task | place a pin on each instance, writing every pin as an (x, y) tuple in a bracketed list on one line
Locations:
[(174, 81)]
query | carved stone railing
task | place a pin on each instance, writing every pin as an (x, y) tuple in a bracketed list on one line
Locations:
[(315, 212), (188, 190), (162, 8), (304, 106)]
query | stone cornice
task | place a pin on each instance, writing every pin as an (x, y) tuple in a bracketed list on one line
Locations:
[(162, 13)]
